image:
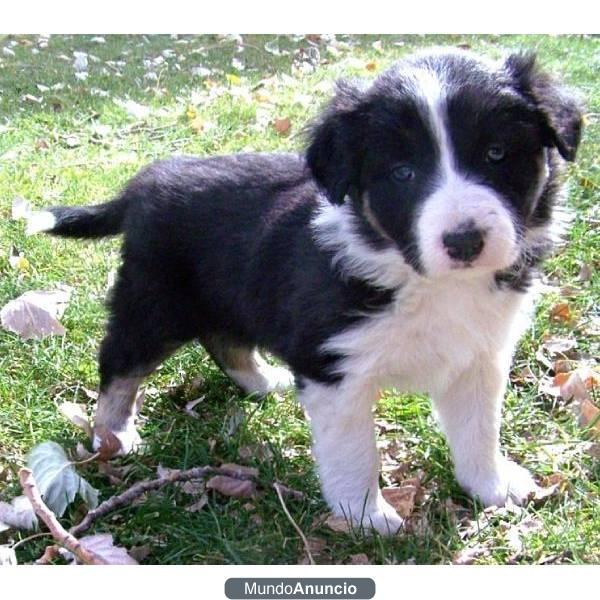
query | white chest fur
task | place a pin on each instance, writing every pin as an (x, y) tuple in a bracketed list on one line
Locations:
[(432, 332)]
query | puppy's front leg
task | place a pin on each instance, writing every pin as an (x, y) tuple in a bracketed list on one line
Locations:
[(469, 412), (344, 447)]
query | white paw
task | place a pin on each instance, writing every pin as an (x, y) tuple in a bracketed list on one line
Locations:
[(279, 379), (509, 481), (385, 520), (116, 443), (382, 518)]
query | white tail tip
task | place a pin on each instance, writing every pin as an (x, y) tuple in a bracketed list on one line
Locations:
[(40, 221)]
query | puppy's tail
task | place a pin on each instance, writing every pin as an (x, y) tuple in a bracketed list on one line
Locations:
[(95, 221)]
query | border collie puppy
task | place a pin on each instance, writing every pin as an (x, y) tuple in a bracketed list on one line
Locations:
[(398, 251)]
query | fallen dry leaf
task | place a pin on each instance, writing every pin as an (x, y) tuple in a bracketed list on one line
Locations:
[(316, 546), (35, 314), (359, 559), (103, 546), (235, 488), (289, 492), (467, 556), (140, 553), (198, 505), (371, 66), (19, 514), (109, 442), (76, 414), (282, 125), (403, 498), (189, 407), (561, 313), (338, 524), (556, 344)]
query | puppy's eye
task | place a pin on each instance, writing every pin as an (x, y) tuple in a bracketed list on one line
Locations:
[(495, 153), (403, 173)]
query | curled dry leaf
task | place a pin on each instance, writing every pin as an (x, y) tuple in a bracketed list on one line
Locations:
[(35, 314), (102, 545), (189, 407), (19, 514), (561, 313), (359, 559), (140, 553), (110, 445), (467, 556), (289, 492), (235, 488), (198, 505), (76, 414), (338, 524), (403, 498), (282, 125)]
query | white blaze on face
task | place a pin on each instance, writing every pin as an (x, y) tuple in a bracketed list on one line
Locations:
[(457, 203)]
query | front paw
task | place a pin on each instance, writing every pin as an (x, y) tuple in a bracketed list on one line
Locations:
[(382, 517), (111, 443), (508, 481)]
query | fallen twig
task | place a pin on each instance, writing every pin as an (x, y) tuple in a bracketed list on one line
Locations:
[(277, 488), (140, 488), (59, 533)]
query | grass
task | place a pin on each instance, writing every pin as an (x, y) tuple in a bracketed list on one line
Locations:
[(78, 146)]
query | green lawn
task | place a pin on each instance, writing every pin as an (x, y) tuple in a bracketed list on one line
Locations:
[(69, 142)]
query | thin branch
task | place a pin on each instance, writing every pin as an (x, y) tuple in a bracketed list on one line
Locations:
[(276, 486), (59, 533), (140, 488)]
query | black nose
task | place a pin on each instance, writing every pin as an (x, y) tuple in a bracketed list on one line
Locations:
[(464, 245)]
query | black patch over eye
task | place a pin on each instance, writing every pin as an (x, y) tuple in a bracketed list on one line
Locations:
[(403, 173), (495, 153)]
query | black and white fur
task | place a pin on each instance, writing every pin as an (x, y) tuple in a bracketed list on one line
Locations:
[(397, 252)]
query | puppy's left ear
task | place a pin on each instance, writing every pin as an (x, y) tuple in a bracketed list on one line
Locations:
[(335, 147), (560, 110)]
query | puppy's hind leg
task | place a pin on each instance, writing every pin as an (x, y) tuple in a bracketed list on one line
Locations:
[(144, 328), (247, 367)]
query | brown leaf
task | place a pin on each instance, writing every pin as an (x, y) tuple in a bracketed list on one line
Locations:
[(109, 442), (556, 344), (338, 524), (228, 486), (289, 492), (359, 559), (114, 474), (467, 556), (102, 545), (561, 313), (316, 545), (403, 498), (282, 125), (198, 505), (140, 553), (261, 452), (35, 314), (371, 66)]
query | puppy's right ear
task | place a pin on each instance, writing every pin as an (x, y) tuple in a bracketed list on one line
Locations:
[(335, 150)]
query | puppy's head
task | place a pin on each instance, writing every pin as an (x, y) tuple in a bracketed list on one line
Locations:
[(448, 157)]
